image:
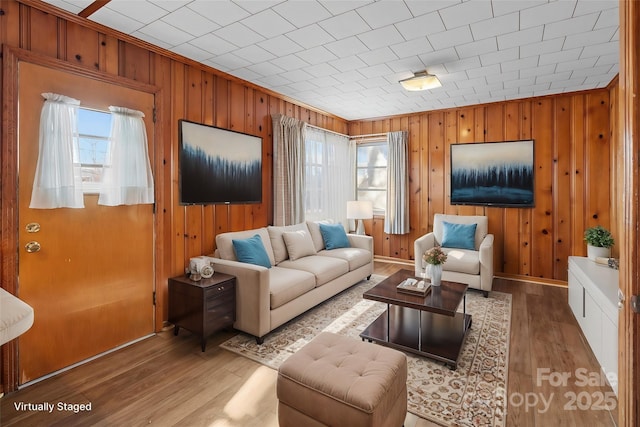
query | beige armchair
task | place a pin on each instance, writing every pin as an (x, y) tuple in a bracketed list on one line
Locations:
[(471, 266)]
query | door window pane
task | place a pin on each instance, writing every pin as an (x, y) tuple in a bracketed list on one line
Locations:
[(94, 128)]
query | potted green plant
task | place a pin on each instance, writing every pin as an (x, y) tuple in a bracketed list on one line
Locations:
[(599, 241)]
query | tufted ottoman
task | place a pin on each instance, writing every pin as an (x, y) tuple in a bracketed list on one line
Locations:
[(342, 381)]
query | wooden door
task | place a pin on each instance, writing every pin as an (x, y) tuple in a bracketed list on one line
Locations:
[(91, 284)]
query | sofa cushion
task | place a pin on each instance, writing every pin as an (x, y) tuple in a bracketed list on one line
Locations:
[(316, 236), (462, 261), (299, 244), (224, 243), (323, 268), (334, 236), (280, 252), (251, 251), (461, 236), (356, 257), (286, 284)]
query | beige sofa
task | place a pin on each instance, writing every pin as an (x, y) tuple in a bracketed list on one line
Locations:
[(269, 297)]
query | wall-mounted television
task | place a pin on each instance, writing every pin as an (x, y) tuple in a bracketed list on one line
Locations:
[(218, 166), (493, 174)]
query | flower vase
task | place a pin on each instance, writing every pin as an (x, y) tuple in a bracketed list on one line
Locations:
[(435, 274)]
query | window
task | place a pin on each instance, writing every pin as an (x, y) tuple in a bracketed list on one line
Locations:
[(371, 171), (94, 128)]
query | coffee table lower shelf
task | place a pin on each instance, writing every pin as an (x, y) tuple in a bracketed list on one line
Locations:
[(442, 336)]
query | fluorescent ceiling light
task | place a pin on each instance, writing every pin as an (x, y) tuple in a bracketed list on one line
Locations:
[(421, 81)]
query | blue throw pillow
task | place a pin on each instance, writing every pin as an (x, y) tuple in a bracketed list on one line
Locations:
[(334, 236), (460, 236), (251, 251)]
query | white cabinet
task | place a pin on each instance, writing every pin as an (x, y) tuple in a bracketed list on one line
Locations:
[(593, 298)]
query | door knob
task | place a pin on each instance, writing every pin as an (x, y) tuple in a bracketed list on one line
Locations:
[(32, 247), (32, 227)]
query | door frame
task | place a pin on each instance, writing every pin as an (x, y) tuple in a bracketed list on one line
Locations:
[(9, 178)]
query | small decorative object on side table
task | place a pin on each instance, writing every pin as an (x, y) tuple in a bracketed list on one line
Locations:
[(434, 258), (202, 307)]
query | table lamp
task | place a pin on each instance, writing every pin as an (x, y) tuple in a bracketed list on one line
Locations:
[(359, 210)]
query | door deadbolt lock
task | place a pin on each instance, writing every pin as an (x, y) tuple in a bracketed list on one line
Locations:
[(32, 247), (32, 227)]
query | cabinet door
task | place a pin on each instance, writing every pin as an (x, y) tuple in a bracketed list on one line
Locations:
[(592, 326), (575, 298), (609, 358)]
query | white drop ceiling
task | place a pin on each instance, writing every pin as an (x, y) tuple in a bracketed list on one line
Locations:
[(346, 57)]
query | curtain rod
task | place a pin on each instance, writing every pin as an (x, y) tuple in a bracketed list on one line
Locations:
[(327, 130), (370, 135)]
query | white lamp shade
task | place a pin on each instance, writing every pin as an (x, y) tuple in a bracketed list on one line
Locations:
[(360, 209)]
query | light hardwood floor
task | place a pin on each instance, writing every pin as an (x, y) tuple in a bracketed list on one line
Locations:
[(166, 380)]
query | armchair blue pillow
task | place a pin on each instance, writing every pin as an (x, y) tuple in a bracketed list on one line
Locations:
[(460, 236), (334, 236), (251, 251)]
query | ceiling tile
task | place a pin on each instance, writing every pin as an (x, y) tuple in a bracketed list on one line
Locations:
[(191, 51), (169, 34), (495, 26), (519, 38), (466, 13), (565, 55), (463, 64), (412, 48), (520, 64), (539, 48), (538, 71), (383, 13), (214, 44), (508, 84), (274, 81), (348, 76), (280, 45), (345, 25), (310, 36), (191, 22), (113, 19), (170, 5), (347, 64), (439, 56), (152, 40), (591, 71), (586, 7), (246, 74), (375, 71), (231, 61), (316, 55), (378, 56), (417, 27), (220, 12), (346, 47), (504, 7), (477, 48), (265, 69), (411, 64), (547, 13), (320, 70), (142, 10), (589, 38), (255, 6), (338, 7), (608, 18), (238, 34), (450, 38), (547, 78), (577, 25), (296, 75), (381, 37), (600, 49), (499, 56), (302, 13), (484, 71), (608, 59), (289, 62), (268, 24), (254, 53), (325, 81), (74, 7)]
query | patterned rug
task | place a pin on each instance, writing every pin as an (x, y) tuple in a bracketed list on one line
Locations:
[(472, 395)]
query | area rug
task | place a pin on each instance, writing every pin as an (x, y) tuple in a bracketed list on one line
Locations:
[(472, 395)]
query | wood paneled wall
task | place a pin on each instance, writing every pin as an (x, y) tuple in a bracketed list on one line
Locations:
[(573, 182), (186, 90)]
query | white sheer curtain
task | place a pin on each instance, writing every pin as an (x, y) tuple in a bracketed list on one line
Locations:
[(288, 170), (397, 215), (331, 178), (127, 178), (58, 179)]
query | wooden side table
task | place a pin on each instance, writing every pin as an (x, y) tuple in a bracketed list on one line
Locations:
[(202, 307)]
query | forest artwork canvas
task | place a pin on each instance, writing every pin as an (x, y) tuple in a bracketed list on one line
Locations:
[(493, 174), (219, 166)]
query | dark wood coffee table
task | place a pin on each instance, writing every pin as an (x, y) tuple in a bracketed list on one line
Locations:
[(426, 325)]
